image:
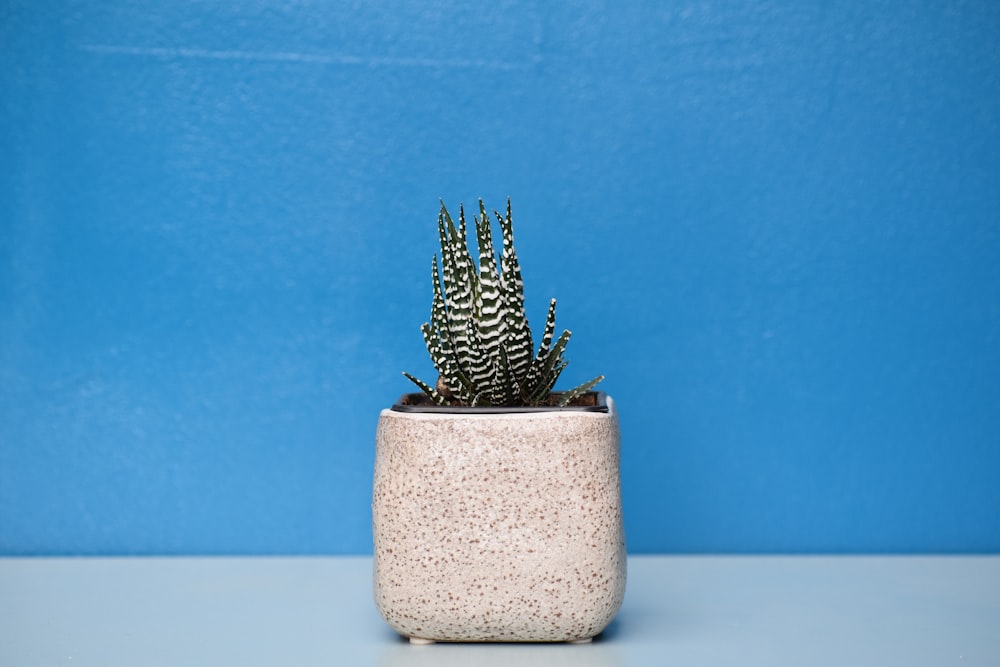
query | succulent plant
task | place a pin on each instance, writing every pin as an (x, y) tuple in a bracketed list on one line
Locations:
[(478, 336)]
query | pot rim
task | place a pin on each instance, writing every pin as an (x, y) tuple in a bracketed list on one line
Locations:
[(601, 400)]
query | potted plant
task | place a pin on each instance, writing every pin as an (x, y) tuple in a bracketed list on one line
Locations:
[(496, 510)]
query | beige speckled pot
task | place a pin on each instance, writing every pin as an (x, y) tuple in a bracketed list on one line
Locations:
[(498, 527)]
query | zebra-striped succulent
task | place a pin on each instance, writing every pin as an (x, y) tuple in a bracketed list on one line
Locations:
[(478, 336)]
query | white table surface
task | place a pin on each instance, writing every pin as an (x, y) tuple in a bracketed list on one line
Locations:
[(843, 611)]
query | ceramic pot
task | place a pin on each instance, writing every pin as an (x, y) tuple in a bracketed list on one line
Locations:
[(498, 526)]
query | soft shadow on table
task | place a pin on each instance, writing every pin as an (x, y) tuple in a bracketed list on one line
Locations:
[(633, 623), (601, 653), (610, 632)]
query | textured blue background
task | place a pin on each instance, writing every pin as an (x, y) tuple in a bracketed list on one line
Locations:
[(774, 226)]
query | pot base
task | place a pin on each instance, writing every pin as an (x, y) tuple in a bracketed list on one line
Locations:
[(420, 641)]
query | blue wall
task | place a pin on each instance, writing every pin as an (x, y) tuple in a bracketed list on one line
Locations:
[(774, 226)]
